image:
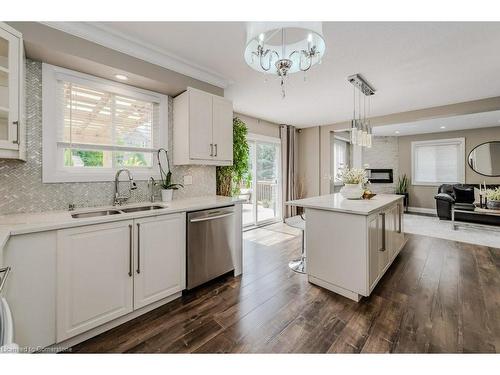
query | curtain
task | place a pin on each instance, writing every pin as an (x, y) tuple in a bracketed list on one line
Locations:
[(289, 168)]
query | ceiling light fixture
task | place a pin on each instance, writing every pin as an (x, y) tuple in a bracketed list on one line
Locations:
[(443, 127), (283, 48), (121, 77), (361, 129), (397, 132)]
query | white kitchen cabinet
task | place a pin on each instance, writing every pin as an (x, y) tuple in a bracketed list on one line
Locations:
[(222, 129), (203, 129), (374, 246), (12, 126), (160, 258), (386, 239), (94, 276)]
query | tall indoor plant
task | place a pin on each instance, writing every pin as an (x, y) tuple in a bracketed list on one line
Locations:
[(402, 188), (229, 178)]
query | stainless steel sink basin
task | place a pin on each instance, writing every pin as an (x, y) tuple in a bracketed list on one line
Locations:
[(142, 208), (83, 215)]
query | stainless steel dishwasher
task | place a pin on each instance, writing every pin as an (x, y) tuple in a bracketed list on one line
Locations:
[(210, 244)]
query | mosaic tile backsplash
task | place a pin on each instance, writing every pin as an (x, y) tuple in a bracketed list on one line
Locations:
[(21, 187)]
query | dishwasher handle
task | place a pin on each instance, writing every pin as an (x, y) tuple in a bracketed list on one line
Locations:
[(211, 217)]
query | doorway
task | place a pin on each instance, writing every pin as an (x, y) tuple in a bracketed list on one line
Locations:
[(263, 184)]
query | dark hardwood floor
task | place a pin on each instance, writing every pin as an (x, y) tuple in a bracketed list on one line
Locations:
[(439, 296)]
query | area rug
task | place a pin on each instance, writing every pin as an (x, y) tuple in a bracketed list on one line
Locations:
[(433, 227)]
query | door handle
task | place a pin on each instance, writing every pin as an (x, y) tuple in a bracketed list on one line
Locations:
[(211, 149), (400, 215), (383, 231), (211, 217), (5, 271), (215, 149), (130, 250), (138, 248), (17, 132)]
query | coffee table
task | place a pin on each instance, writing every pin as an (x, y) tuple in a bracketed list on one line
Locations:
[(476, 211)]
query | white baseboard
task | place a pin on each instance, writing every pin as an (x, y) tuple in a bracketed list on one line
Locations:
[(422, 210)]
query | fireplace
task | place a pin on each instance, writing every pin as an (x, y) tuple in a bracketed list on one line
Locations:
[(379, 176)]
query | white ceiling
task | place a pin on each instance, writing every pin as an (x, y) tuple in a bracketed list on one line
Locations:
[(438, 125), (412, 66)]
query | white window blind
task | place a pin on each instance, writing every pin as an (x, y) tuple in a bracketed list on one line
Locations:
[(437, 162), (98, 128), (93, 127)]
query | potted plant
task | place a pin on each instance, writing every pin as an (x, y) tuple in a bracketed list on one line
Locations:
[(402, 188), (166, 185), (353, 179), (493, 198)]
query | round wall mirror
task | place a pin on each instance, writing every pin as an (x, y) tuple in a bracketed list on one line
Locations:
[(485, 159)]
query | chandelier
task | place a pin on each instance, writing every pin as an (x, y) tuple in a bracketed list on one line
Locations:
[(282, 48), (361, 129)]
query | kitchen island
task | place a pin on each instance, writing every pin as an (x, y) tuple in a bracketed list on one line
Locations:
[(350, 244)]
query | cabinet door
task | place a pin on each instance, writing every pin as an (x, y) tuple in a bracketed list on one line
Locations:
[(223, 129), (374, 248), (398, 237), (94, 276), (200, 125), (385, 239), (160, 258), (9, 90)]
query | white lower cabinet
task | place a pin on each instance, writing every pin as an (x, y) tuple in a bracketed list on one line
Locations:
[(108, 270), (385, 240), (94, 283), (160, 266)]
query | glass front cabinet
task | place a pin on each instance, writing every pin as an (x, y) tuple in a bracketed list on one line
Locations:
[(12, 126)]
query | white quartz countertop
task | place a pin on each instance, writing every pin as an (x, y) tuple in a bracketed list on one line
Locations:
[(38, 222), (336, 202)]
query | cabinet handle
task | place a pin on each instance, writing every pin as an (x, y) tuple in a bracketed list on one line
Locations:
[(138, 248), (215, 149), (130, 250), (17, 132), (211, 149), (400, 215), (383, 231)]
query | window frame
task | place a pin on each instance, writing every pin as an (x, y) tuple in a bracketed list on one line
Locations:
[(437, 142), (53, 170)]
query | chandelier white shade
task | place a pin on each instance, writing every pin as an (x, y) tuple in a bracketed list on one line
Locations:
[(282, 48), (299, 39)]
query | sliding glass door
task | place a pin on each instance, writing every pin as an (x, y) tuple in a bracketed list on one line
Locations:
[(263, 190)]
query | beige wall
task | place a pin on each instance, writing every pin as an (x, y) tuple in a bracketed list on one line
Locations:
[(423, 196), (308, 162), (322, 156), (258, 126)]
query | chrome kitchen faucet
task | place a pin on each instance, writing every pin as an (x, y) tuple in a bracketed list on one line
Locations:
[(119, 199)]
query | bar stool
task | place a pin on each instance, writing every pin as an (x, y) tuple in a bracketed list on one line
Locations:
[(299, 265)]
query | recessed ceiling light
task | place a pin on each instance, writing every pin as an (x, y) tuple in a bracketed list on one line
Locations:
[(443, 127), (397, 132), (121, 77)]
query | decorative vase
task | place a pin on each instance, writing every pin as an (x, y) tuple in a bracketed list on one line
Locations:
[(493, 205), (352, 191), (166, 195)]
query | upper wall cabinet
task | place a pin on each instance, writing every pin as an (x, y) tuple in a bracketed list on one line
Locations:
[(12, 127), (203, 129)]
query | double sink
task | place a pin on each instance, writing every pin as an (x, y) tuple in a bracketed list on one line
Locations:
[(87, 214)]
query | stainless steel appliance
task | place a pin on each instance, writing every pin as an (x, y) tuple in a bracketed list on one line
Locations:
[(210, 244)]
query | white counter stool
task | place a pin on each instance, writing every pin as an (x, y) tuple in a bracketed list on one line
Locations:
[(298, 265)]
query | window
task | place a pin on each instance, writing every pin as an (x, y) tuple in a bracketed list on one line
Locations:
[(438, 162), (93, 127)]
